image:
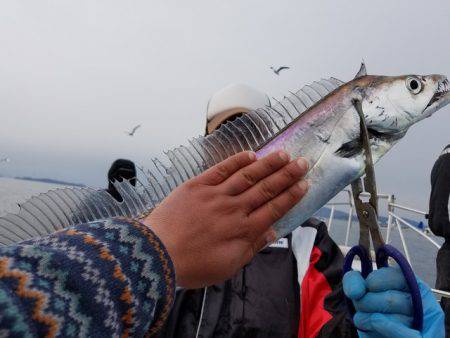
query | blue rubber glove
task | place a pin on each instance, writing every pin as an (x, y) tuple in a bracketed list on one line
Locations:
[(384, 308)]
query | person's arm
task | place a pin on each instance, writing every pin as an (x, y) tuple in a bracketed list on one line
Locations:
[(104, 278), (115, 277)]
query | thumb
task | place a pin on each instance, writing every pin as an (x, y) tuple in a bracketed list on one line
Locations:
[(267, 238), (354, 285)]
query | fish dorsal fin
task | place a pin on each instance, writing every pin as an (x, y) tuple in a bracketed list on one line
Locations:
[(362, 71), (60, 208), (57, 209)]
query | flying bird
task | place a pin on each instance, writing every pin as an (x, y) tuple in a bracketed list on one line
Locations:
[(279, 69), (5, 160), (131, 133)]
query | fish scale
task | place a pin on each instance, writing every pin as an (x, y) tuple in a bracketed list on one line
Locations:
[(69, 206)]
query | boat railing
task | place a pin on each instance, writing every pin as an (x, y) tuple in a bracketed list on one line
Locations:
[(394, 222)]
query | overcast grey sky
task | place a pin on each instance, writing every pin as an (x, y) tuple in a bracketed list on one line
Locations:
[(75, 74)]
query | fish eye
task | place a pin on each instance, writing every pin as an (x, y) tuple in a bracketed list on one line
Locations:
[(414, 85)]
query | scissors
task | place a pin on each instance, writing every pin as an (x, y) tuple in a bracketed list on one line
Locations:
[(367, 213)]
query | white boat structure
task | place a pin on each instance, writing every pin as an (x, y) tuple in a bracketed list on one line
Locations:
[(394, 223)]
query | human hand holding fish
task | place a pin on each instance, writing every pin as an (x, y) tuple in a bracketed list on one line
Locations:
[(234, 203)]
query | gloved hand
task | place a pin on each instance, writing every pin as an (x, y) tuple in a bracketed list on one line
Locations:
[(384, 308)]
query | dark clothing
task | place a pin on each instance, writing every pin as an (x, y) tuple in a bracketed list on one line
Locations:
[(120, 169), (438, 220), (263, 299), (443, 267), (110, 278), (258, 302), (443, 281)]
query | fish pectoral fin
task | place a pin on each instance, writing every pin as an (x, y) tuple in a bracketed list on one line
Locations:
[(350, 149)]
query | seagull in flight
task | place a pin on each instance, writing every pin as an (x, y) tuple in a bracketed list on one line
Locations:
[(5, 160), (279, 69), (131, 133)]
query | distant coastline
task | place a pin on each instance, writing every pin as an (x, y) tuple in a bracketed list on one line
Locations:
[(49, 180)]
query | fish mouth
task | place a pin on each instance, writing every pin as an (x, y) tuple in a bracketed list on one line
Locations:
[(440, 98)]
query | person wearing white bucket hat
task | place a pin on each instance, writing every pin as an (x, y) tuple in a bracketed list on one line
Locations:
[(232, 101), (302, 271)]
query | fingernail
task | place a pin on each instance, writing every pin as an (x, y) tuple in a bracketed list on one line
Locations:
[(303, 185), (283, 155), (303, 163), (252, 155)]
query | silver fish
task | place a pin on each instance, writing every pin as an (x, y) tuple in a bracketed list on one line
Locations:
[(318, 122)]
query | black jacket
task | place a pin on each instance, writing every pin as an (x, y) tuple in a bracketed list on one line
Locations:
[(120, 169), (438, 217), (263, 299)]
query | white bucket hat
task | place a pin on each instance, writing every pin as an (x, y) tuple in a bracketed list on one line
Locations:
[(232, 100)]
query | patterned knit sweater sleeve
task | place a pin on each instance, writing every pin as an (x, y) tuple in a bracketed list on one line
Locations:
[(103, 279)]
